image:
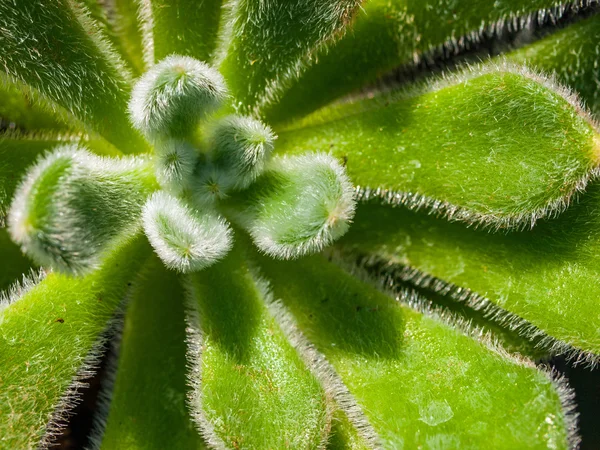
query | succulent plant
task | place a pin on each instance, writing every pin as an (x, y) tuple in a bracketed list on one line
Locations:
[(280, 247)]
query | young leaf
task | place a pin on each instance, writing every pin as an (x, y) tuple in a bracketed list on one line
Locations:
[(573, 55), (388, 34), (268, 44), (72, 206), (50, 341), (175, 162), (56, 49), (185, 239), (252, 389), (241, 147), (17, 152), (183, 27), (416, 379), (299, 206), (146, 407), (494, 146), (543, 282), (170, 99)]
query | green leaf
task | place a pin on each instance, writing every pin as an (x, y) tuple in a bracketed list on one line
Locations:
[(418, 381), (494, 146), (545, 279), (119, 22), (573, 55), (388, 34), (13, 264), (50, 341), (344, 435), (56, 49), (23, 110), (183, 27), (253, 390), (271, 42), (73, 206), (147, 405), (17, 152), (400, 281)]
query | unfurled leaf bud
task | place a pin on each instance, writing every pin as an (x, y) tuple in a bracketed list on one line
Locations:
[(211, 185), (72, 205), (170, 99), (241, 146), (300, 205), (175, 162), (184, 239)]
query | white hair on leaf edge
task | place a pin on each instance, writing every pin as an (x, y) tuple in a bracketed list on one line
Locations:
[(184, 239), (412, 299), (172, 96), (62, 240), (241, 145), (317, 210)]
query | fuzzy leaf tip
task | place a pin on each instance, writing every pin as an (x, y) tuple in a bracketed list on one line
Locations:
[(242, 145), (302, 204), (185, 240), (72, 205), (174, 95)]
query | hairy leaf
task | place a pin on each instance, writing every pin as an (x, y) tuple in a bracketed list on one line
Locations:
[(13, 264), (253, 390), (24, 111), (499, 148), (73, 206), (50, 340), (416, 380), (390, 33), (547, 276), (120, 24), (17, 152), (183, 27), (55, 48), (344, 435), (573, 55), (147, 405), (267, 44), (299, 206)]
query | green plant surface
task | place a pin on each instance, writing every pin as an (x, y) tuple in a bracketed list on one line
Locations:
[(462, 215), (181, 27), (13, 264), (118, 21), (22, 107), (418, 381), (572, 55), (399, 281), (344, 435), (56, 50), (50, 339), (147, 404), (268, 43), (390, 33), (497, 148), (17, 152), (96, 201), (547, 276), (253, 390)]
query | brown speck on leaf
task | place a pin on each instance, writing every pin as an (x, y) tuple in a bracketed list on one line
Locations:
[(60, 319)]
